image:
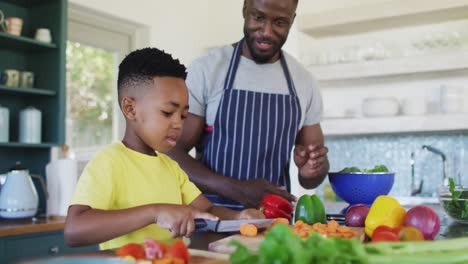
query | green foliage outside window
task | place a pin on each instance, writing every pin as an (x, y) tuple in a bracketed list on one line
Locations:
[(90, 84)]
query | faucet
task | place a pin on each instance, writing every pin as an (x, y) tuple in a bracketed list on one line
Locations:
[(414, 190), (444, 162)]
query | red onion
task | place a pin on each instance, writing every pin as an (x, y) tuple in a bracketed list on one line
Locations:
[(356, 215), (425, 219)]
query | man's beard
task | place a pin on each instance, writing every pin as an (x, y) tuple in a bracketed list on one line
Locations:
[(258, 57)]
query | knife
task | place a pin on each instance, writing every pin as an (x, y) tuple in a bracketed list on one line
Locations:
[(229, 225)]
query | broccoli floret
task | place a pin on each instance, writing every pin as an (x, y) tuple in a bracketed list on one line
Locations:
[(379, 168), (350, 169)]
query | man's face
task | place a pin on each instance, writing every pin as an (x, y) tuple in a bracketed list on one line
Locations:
[(160, 113), (266, 27)]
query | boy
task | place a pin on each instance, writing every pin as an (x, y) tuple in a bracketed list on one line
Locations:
[(131, 190)]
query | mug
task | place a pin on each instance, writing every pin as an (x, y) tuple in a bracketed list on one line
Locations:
[(26, 79), (11, 78), (14, 25), (43, 35)]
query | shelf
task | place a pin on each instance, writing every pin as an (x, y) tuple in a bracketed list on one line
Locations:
[(8, 41), (26, 145), (381, 16), (449, 61), (26, 3), (34, 91), (397, 124)]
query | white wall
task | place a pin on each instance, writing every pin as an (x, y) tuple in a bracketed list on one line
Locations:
[(187, 28), (182, 27)]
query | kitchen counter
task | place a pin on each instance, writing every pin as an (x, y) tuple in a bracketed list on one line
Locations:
[(11, 227)]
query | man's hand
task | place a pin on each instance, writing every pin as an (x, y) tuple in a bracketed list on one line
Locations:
[(251, 192), (179, 219), (311, 161)]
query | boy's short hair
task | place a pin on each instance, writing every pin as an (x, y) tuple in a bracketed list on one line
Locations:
[(141, 66)]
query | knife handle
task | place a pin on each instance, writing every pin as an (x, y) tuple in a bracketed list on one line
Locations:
[(340, 218), (200, 224)]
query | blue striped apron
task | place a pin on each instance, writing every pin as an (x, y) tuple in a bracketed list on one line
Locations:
[(253, 133)]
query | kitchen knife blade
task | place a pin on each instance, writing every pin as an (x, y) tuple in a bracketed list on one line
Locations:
[(229, 225)]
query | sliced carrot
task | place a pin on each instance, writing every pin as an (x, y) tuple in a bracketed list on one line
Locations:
[(331, 229), (249, 230), (280, 220)]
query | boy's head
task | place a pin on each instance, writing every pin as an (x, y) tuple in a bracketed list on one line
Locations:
[(153, 98)]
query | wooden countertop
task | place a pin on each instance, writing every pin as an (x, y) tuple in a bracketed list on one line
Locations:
[(11, 227)]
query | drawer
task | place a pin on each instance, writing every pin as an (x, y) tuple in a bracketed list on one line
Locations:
[(39, 245)]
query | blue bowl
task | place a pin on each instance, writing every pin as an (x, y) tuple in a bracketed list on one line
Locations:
[(361, 187)]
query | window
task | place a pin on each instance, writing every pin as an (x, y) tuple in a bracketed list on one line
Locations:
[(96, 44), (90, 97)]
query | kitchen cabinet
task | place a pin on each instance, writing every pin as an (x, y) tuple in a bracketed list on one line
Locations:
[(36, 245), (47, 61), (380, 16), (397, 124), (399, 26)]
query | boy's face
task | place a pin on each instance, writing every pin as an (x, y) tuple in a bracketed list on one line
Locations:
[(158, 113)]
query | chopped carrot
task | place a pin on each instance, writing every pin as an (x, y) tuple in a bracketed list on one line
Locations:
[(331, 229), (280, 220), (249, 230)]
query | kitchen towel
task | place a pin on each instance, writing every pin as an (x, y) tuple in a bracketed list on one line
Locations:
[(61, 181)]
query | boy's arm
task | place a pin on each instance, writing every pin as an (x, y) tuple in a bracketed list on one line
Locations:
[(203, 204), (88, 226)]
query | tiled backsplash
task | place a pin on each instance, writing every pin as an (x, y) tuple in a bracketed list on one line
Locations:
[(395, 152)]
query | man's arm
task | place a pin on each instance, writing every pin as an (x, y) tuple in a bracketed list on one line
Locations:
[(310, 156), (249, 193)]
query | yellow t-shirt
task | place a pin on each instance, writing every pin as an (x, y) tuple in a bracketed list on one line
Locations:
[(119, 178)]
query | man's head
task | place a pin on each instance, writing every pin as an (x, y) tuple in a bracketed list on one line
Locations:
[(266, 27), (153, 98)]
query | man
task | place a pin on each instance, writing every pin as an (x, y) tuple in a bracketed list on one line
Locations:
[(249, 104)]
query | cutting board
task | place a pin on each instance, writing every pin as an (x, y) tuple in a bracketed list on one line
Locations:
[(207, 257), (224, 245)]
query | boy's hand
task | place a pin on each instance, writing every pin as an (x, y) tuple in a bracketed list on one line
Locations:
[(250, 214), (179, 219)]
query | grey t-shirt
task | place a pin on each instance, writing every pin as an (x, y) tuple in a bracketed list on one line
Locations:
[(206, 76)]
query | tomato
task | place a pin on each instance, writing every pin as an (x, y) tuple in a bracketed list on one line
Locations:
[(384, 228), (154, 249), (410, 233), (178, 250), (131, 249), (386, 236)]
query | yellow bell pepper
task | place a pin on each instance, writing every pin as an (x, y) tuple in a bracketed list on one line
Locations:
[(385, 210)]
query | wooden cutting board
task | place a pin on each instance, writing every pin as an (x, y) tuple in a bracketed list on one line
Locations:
[(224, 245), (207, 257)]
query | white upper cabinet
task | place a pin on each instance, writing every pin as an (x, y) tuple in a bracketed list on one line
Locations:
[(381, 16)]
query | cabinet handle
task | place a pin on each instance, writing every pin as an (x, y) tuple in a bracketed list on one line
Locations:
[(54, 250)]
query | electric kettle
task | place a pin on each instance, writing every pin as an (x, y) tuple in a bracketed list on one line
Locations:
[(18, 195)]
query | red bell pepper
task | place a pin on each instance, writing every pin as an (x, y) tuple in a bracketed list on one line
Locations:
[(274, 206)]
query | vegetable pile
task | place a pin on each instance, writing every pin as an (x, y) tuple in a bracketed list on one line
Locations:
[(377, 168), (282, 246), (155, 252)]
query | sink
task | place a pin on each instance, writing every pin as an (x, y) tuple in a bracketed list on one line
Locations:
[(417, 200)]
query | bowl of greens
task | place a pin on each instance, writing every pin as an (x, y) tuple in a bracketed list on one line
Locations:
[(361, 186), (454, 200)]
